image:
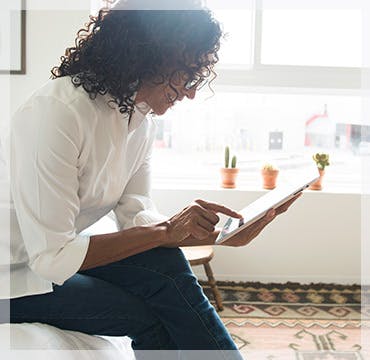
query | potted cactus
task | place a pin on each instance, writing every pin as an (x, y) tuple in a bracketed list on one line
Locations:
[(321, 160), (269, 174), (229, 172)]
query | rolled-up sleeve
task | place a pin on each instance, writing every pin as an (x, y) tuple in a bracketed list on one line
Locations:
[(45, 147), (135, 206)]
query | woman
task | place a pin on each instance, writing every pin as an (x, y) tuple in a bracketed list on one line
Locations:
[(80, 147)]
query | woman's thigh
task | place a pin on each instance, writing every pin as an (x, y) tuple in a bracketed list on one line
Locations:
[(94, 306), (163, 278)]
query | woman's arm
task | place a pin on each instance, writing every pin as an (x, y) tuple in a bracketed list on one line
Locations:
[(194, 225), (107, 248), (188, 228), (45, 146)]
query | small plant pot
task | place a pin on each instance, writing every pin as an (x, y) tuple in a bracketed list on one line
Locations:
[(228, 176), (269, 178), (317, 185)]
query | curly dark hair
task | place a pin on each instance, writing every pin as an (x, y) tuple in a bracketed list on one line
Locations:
[(119, 49)]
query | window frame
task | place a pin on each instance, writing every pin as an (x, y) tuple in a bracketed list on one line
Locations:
[(286, 76), (347, 80)]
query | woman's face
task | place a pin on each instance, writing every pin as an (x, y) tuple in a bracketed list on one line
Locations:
[(160, 97)]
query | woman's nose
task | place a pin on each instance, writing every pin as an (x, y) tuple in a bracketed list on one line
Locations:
[(190, 94)]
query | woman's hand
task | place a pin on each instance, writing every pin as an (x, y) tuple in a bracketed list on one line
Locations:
[(248, 234), (198, 221)]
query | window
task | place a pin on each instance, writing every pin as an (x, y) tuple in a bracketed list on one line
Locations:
[(236, 50), (321, 37), (288, 85), (296, 44), (285, 129), (96, 5)]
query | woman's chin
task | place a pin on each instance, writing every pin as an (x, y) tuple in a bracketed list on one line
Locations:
[(162, 110)]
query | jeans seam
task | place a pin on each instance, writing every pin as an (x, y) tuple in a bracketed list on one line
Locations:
[(200, 318), (193, 310)]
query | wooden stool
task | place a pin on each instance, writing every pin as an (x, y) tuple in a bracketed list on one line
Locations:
[(202, 255)]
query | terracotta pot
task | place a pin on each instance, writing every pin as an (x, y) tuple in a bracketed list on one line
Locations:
[(269, 178), (228, 176), (317, 185)]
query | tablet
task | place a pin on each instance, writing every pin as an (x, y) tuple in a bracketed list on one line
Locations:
[(258, 208)]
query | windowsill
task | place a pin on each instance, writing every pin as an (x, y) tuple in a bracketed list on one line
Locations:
[(197, 172), (198, 185)]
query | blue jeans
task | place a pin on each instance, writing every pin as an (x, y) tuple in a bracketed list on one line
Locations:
[(152, 297)]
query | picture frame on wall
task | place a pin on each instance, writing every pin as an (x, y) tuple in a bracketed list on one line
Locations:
[(13, 37)]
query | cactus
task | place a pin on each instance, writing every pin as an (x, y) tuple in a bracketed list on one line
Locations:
[(321, 160), (227, 156), (269, 167), (233, 162)]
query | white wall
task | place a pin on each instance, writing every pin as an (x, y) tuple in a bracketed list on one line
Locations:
[(317, 240), (48, 34)]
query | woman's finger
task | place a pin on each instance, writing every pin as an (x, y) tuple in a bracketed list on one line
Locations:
[(199, 232), (254, 229), (249, 233), (208, 215), (205, 224), (284, 207), (218, 208), (260, 224)]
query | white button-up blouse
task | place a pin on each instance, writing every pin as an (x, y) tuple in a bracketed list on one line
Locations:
[(72, 161)]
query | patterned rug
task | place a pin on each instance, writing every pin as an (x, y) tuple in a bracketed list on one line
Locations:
[(293, 321)]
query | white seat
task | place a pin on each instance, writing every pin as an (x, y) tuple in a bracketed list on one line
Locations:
[(41, 340)]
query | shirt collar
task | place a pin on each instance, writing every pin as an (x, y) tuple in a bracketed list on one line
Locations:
[(140, 111)]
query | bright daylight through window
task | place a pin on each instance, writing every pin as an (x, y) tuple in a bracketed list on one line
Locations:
[(313, 104), (288, 86)]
